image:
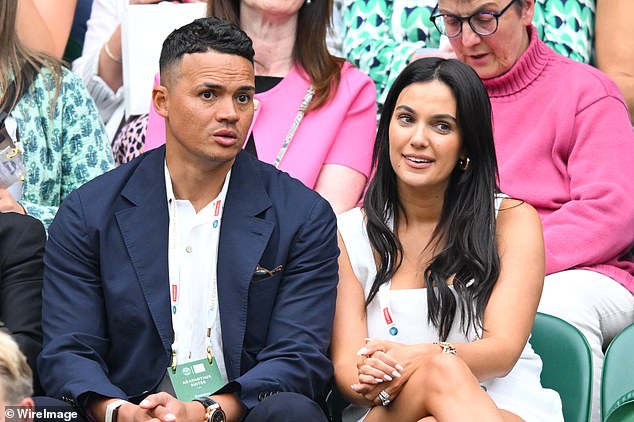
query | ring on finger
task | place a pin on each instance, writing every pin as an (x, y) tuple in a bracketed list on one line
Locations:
[(384, 397)]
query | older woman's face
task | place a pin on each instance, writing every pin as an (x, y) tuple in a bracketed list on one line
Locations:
[(279, 8), (492, 55)]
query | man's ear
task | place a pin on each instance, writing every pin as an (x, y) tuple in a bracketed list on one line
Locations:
[(160, 100), (29, 403)]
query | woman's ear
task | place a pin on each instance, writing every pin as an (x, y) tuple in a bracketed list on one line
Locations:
[(528, 10), (160, 100)]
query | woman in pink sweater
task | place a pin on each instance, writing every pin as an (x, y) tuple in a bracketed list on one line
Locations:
[(564, 144)]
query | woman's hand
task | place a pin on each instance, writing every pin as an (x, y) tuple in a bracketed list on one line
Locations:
[(381, 361)]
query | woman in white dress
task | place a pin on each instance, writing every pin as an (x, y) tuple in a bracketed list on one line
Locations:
[(438, 291)]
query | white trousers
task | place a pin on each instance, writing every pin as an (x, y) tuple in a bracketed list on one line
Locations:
[(594, 303)]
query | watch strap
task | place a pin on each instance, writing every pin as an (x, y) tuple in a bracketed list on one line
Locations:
[(211, 408), (112, 408)]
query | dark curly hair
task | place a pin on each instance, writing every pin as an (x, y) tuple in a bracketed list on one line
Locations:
[(202, 35)]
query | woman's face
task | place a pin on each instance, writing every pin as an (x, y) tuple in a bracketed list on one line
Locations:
[(492, 55), (425, 139), (281, 8)]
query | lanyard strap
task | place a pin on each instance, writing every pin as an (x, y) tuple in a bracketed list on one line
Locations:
[(175, 264), (298, 119), (386, 311)]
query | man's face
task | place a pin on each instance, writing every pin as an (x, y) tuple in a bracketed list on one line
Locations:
[(207, 102)]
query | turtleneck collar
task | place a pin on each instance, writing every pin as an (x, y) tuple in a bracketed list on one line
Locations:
[(529, 66)]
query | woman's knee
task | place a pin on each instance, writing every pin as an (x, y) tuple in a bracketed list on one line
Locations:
[(447, 374)]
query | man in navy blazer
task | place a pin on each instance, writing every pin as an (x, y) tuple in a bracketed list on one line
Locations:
[(114, 252)]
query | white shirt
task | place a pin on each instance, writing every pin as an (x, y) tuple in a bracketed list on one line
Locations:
[(193, 258)]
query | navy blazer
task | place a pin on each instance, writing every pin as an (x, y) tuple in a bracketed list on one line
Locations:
[(106, 312), (22, 240)]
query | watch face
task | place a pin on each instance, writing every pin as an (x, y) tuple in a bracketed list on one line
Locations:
[(218, 416)]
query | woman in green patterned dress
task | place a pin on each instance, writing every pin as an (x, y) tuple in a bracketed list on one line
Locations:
[(53, 124)]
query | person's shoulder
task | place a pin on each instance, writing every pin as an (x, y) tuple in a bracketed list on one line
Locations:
[(513, 211), (284, 190), (19, 223), (350, 217), (585, 78), (112, 182), (354, 78)]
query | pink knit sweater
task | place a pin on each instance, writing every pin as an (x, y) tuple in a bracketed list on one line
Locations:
[(565, 145)]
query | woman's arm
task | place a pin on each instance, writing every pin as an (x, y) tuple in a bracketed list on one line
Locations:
[(347, 166), (614, 45), (102, 28), (510, 313), (349, 330), (44, 25), (340, 186)]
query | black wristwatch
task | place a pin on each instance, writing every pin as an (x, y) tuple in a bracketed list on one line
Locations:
[(214, 411)]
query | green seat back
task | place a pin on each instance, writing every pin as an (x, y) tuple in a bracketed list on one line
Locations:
[(567, 364), (617, 385)]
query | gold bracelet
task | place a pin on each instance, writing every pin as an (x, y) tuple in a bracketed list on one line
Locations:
[(109, 53), (446, 347)]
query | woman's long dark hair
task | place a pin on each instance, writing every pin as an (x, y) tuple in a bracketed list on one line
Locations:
[(464, 242)]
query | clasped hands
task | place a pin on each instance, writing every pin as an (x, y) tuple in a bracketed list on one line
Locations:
[(161, 407), (383, 366)]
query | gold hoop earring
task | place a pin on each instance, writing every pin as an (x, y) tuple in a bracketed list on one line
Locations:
[(464, 163)]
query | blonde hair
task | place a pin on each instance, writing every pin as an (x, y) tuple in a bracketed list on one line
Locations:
[(16, 57), (15, 374)]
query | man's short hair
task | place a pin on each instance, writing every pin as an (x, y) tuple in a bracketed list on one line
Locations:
[(15, 374), (201, 36)]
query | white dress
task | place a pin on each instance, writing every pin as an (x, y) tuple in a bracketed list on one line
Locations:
[(519, 392)]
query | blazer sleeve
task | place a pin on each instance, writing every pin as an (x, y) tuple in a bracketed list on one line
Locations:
[(295, 357), (21, 249), (74, 324)]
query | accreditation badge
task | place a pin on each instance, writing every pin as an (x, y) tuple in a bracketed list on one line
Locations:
[(195, 379)]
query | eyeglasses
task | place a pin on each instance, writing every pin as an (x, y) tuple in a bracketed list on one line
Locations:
[(482, 23)]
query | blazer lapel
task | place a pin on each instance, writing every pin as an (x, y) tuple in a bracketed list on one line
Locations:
[(244, 234), (144, 228)]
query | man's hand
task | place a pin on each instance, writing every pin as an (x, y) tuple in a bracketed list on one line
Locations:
[(167, 408), (127, 412)]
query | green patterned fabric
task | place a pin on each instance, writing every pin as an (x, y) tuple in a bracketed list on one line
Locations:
[(380, 36), (567, 26), (62, 151)]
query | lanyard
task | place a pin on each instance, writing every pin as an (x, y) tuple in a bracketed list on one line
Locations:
[(386, 311), (303, 106), (175, 268)]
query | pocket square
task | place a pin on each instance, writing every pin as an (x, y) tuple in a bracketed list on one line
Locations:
[(261, 272)]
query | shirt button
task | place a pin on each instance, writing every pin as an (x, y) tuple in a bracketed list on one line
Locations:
[(189, 249)]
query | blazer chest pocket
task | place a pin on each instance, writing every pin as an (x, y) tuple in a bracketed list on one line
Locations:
[(262, 294)]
